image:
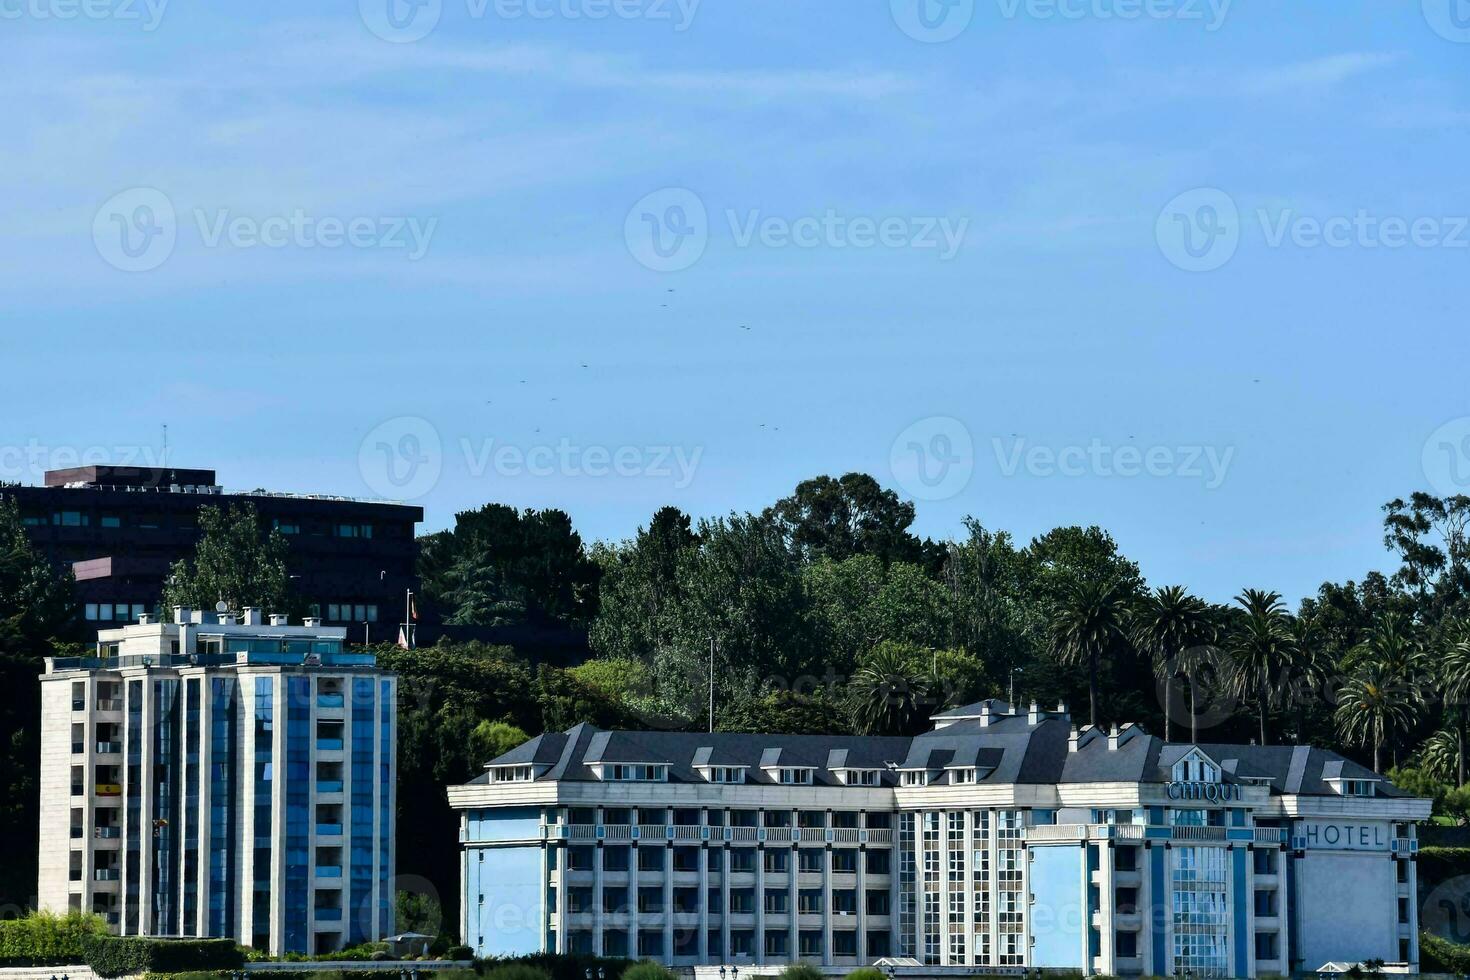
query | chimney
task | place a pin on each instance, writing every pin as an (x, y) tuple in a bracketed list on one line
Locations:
[(1113, 738), (311, 622), (181, 615), (1033, 714), (984, 714), (145, 620), (278, 619), (252, 616), (227, 619), (1072, 740)]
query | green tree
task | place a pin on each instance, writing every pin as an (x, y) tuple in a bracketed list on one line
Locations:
[(38, 610), (848, 516), (492, 739), (1371, 704), (1089, 627), (499, 566), (235, 562), (1454, 679), (1261, 646), (891, 690), (639, 594), (1167, 623), (854, 604)]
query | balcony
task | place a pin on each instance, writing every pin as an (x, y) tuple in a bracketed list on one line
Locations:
[(329, 830), (109, 789), (329, 745), (108, 833), (329, 871), (106, 874), (329, 785), (329, 914), (109, 748), (109, 704), (329, 700)]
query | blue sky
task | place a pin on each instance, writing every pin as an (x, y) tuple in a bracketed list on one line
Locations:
[(1192, 272)]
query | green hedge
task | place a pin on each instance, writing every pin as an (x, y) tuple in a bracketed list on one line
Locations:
[(1439, 955), (562, 966), (43, 939), (115, 956)]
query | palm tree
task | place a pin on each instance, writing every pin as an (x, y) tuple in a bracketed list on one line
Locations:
[(1261, 646), (1393, 647), (890, 689), (1440, 756), (1454, 678), (1088, 625), (1310, 668), (1373, 702), (1168, 622)]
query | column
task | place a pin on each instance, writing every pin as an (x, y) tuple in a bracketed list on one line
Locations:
[(760, 899), (918, 937), (1413, 862), (599, 857), (862, 903), (827, 903), (725, 859), (703, 939), (1106, 894)]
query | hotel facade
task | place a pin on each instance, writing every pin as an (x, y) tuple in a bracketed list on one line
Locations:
[(1003, 840), (221, 777)]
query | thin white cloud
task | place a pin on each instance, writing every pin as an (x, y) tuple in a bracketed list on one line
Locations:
[(1317, 73)]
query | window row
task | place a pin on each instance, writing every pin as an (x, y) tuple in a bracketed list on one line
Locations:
[(742, 859), (651, 900), (775, 943)]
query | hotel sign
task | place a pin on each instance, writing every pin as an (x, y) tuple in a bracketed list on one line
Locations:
[(1341, 836), (1209, 792)]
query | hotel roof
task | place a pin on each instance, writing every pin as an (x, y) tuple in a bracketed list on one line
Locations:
[(1003, 748)]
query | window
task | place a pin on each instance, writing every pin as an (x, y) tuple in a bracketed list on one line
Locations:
[(809, 901), (742, 901), (1127, 945), (778, 862), (712, 901), (1265, 861), (742, 942), (352, 530), (877, 862), (844, 861), (615, 859), (287, 527), (651, 943), (796, 777), (1126, 901), (878, 901), (727, 774), (70, 518), (1266, 945), (110, 520), (614, 900), (777, 901), (861, 777), (651, 898), (844, 942), (1126, 859), (636, 773), (809, 860), (1266, 903), (742, 860), (1357, 787), (844, 901), (915, 777), (686, 859), (777, 942), (650, 859), (580, 858), (961, 777), (810, 943)]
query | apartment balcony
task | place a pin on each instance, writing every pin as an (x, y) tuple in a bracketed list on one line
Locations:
[(329, 745), (109, 705), (324, 786), (109, 748), (330, 701), (328, 914), (329, 871), (107, 833), (329, 830), (106, 874), (109, 789)]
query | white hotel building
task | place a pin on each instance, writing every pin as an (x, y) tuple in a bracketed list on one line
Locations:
[(221, 777), (1002, 840)]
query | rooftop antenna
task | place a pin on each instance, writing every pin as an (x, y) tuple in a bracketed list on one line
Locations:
[(164, 462)]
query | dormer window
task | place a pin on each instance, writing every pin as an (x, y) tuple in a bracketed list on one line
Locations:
[(1357, 787), (642, 773), (726, 774), (915, 777), (962, 777), (512, 774), (860, 777), (790, 776), (1194, 768)]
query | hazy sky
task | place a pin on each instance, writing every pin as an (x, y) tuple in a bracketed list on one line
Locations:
[(1192, 271)]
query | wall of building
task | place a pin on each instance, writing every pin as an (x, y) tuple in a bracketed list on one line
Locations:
[(506, 910), (1347, 908), (1058, 916)]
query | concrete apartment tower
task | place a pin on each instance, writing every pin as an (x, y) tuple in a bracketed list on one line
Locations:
[(219, 776)]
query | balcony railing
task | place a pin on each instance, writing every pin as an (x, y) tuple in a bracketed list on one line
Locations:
[(329, 700), (329, 915), (106, 874), (108, 833), (329, 785), (109, 748), (329, 745), (329, 871), (109, 789), (109, 704), (329, 830)]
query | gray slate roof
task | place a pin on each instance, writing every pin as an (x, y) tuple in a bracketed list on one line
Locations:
[(1008, 750)]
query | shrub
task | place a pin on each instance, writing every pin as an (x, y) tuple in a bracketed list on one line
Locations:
[(1439, 955), (563, 966), (44, 939), (459, 953), (866, 973), (801, 971), (115, 956), (647, 970), (517, 971)]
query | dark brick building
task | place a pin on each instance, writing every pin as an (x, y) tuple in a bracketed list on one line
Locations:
[(120, 528)]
